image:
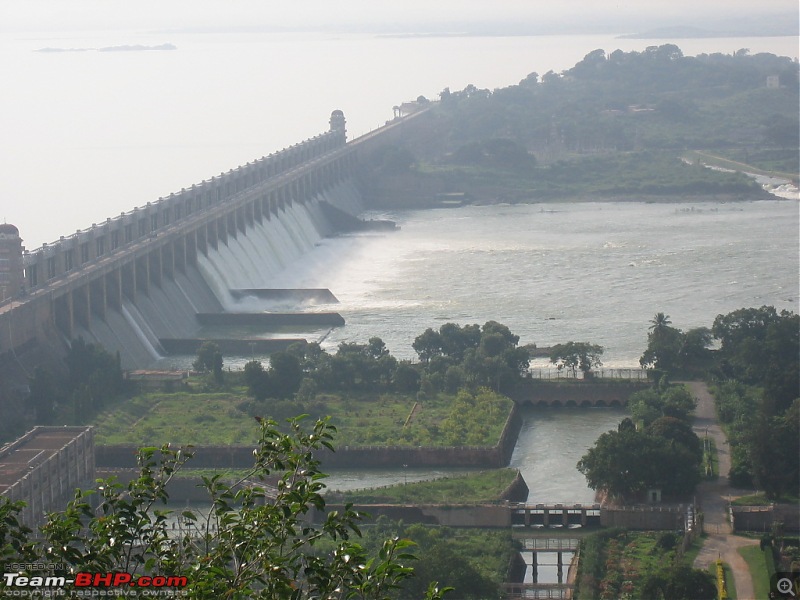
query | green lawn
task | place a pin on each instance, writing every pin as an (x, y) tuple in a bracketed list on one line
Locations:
[(362, 419), (754, 556), (485, 486), (180, 418)]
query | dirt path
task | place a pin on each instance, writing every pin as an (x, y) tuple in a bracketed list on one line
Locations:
[(714, 496)]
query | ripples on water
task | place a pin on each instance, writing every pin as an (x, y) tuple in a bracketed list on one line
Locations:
[(556, 272), (594, 271)]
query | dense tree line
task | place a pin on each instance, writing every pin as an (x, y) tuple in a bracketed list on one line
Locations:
[(657, 449), (616, 123), (451, 358), (91, 378), (756, 382), (621, 101)]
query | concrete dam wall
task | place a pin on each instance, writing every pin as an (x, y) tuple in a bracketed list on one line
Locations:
[(145, 325), (136, 282)]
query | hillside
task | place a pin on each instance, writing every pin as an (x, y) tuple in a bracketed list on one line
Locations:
[(616, 125)]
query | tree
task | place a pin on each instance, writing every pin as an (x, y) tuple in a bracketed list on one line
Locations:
[(627, 463), (246, 547), (576, 355), (759, 346), (285, 375), (677, 431), (673, 401), (44, 395), (208, 356), (664, 345), (427, 345)]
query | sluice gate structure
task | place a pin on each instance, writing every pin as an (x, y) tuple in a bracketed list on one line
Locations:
[(143, 276)]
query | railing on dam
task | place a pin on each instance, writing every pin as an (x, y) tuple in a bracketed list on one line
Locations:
[(297, 172), (118, 234), (546, 373)]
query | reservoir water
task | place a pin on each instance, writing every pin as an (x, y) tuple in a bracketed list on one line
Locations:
[(554, 272)]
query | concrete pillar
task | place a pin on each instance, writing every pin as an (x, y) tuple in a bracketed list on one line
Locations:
[(584, 518), (565, 518), (71, 315), (546, 517), (527, 517)]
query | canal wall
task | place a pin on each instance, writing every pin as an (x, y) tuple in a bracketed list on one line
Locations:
[(479, 515), (583, 393), (398, 457), (644, 517)]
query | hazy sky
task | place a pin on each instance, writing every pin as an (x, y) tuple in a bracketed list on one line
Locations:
[(48, 15)]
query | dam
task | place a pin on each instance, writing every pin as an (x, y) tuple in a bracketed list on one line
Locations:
[(149, 279)]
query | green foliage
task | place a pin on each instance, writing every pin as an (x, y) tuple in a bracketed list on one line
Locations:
[(624, 564), (93, 380), (626, 463), (760, 346), (623, 101), (209, 360), (476, 356), (576, 355), (672, 401), (473, 561), (473, 488), (282, 380), (245, 547), (763, 447), (498, 153), (472, 416)]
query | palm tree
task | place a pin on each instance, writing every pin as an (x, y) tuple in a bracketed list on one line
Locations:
[(660, 323)]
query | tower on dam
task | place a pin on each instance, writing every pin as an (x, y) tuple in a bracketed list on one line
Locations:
[(12, 276)]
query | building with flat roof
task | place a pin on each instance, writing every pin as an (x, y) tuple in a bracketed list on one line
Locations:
[(44, 467)]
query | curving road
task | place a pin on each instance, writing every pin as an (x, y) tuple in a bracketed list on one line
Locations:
[(713, 497)]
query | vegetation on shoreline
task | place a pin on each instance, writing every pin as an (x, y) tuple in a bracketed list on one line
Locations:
[(617, 124), (755, 381), (472, 488)]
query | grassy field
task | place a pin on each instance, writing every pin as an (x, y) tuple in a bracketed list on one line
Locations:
[(180, 418), (361, 419), (485, 486), (754, 556)]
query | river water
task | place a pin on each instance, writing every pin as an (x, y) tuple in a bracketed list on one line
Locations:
[(593, 272)]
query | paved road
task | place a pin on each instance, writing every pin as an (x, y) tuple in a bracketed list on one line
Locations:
[(714, 496)]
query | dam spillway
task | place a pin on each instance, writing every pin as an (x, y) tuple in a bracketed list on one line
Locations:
[(146, 275)]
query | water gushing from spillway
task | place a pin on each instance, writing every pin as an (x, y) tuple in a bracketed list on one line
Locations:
[(251, 259)]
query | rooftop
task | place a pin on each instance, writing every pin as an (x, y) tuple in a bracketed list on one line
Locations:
[(32, 449)]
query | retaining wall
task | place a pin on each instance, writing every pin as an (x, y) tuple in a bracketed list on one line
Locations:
[(241, 457), (761, 518), (646, 518), (579, 393)]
